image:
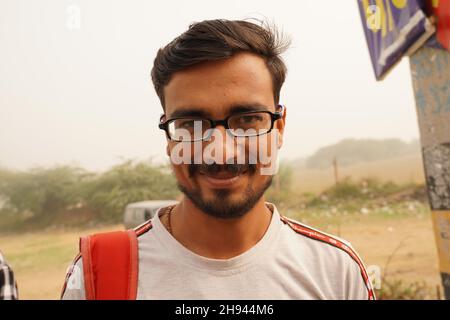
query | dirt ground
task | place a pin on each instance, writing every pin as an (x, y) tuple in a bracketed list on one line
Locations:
[(407, 243), (40, 259)]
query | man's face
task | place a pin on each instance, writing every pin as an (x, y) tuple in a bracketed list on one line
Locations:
[(215, 90)]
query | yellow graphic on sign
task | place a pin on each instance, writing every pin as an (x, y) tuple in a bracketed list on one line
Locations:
[(400, 3), (379, 16)]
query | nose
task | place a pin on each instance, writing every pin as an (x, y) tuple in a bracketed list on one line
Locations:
[(224, 146)]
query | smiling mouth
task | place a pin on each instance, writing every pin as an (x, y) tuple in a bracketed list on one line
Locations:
[(222, 179)]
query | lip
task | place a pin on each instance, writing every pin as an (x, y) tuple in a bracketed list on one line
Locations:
[(221, 182)]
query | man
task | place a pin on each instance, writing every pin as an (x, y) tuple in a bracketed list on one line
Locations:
[(219, 85), (8, 286)]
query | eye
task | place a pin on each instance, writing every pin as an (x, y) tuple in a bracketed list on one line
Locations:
[(250, 118), (186, 124)]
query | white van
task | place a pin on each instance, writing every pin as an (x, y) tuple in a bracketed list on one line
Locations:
[(138, 212)]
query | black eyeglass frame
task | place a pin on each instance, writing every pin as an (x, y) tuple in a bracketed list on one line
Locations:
[(224, 122)]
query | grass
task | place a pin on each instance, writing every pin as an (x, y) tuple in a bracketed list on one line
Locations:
[(400, 290)]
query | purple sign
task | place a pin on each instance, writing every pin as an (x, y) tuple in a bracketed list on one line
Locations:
[(393, 28)]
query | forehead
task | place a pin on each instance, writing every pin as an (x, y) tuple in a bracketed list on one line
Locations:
[(214, 87)]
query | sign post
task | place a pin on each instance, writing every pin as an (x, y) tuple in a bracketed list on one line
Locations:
[(430, 70)]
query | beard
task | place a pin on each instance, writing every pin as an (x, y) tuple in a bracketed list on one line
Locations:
[(222, 205)]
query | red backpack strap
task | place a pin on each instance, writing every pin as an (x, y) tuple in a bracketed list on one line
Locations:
[(110, 265)]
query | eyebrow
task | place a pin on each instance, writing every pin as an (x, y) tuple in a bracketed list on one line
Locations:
[(234, 109), (188, 112), (247, 107)]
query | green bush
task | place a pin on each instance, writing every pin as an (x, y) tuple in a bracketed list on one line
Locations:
[(43, 195), (40, 192), (128, 182)]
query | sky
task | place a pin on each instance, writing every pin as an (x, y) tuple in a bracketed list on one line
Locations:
[(75, 83)]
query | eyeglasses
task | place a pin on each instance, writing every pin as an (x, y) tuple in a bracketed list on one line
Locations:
[(244, 124)]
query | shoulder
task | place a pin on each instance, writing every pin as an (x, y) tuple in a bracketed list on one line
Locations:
[(73, 288), (318, 236), (110, 242), (8, 286), (329, 252), (3, 262), (4, 267), (106, 242), (143, 228)]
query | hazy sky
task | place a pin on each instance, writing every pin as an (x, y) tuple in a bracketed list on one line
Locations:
[(84, 96)]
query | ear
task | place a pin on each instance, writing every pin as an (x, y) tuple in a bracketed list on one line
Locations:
[(280, 124)]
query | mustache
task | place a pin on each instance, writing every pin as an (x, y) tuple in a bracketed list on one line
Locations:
[(216, 168)]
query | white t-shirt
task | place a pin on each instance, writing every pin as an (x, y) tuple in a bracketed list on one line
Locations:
[(291, 261)]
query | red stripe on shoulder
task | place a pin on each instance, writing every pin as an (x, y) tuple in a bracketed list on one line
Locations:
[(143, 228), (69, 273), (316, 235)]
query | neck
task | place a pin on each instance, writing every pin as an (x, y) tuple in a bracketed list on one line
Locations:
[(218, 238)]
